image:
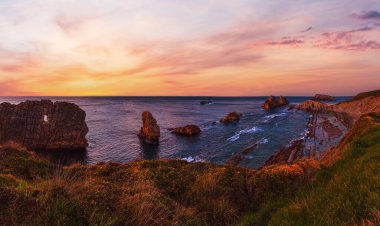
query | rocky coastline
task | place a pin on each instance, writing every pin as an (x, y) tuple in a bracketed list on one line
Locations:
[(176, 192)]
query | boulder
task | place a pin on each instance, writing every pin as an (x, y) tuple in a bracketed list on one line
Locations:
[(189, 130), (274, 102), (231, 117), (323, 97), (43, 125), (150, 131)]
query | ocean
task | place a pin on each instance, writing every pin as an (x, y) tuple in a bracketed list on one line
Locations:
[(115, 121)]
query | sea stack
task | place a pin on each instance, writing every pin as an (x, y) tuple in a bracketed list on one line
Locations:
[(189, 130), (274, 102), (150, 131), (43, 125), (323, 97), (231, 117)]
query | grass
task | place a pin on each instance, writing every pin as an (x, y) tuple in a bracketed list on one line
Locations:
[(360, 96), (346, 192), (35, 192)]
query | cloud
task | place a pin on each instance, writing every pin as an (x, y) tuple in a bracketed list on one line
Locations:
[(287, 41), (359, 39), (307, 29), (365, 15)]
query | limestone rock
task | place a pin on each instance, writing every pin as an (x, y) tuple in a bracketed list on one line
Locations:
[(314, 106), (323, 97), (189, 130), (43, 125), (231, 117), (275, 102), (150, 131)]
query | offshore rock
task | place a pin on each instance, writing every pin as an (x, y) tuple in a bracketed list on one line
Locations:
[(274, 102), (323, 97), (231, 117), (189, 130), (43, 125), (150, 131)]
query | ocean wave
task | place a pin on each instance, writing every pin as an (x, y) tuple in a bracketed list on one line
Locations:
[(193, 159), (268, 118), (263, 141), (244, 131)]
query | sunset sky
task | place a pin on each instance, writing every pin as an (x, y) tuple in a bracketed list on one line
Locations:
[(192, 47)]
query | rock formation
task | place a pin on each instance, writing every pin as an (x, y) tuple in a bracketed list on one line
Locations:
[(312, 106), (204, 102), (323, 97), (43, 125), (231, 117), (189, 130), (288, 154), (275, 102), (150, 131)]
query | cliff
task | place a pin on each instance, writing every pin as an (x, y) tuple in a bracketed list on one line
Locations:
[(43, 125), (346, 191)]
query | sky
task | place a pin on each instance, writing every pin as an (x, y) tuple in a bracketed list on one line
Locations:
[(188, 48)]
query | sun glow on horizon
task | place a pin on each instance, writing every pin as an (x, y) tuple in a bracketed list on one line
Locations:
[(146, 48)]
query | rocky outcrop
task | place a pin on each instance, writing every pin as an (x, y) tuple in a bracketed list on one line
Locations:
[(43, 125), (234, 160), (231, 117), (323, 97), (314, 106), (189, 130), (274, 102), (359, 107), (150, 131), (205, 102), (290, 153)]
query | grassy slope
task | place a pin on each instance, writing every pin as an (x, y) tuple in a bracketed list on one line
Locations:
[(34, 192), (360, 96), (346, 192)]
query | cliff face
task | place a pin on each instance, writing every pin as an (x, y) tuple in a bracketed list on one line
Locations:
[(43, 125)]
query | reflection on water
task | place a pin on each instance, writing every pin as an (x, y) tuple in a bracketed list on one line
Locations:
[(115, 121)]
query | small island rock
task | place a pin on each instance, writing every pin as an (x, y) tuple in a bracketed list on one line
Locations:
[(231, 117), (189, 130), (274, 102), (150, 131), (323, 97)]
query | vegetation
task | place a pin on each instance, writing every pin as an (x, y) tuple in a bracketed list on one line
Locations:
[(346, 191), (360, 96), (35, 192)]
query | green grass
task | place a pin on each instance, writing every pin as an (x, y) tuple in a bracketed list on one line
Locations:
[(344, 193)]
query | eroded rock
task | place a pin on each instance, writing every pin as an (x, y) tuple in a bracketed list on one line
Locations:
[(189, 130), (323, 97), (274, 102), (150, 131), (43, 125), (231, 117)]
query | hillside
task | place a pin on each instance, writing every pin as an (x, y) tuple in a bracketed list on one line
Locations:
[(35, 192), (346, 190)]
